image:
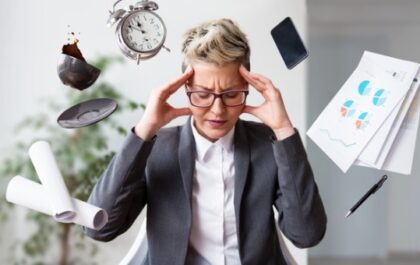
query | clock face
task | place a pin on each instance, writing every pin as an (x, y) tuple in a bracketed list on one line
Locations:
[(143, 31)]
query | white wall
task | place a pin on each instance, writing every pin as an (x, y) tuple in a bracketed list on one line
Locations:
[(339, 32), (34, 31)]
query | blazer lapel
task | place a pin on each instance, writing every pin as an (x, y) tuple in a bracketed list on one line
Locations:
[(186, 158), (241, 165)]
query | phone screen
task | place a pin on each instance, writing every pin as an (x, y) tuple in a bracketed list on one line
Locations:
[(289, 43)]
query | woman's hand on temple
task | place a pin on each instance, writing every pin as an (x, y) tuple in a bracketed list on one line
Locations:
[(158, 111), (272, 111)]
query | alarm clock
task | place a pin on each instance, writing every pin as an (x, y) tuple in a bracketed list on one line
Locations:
[(140, 31)]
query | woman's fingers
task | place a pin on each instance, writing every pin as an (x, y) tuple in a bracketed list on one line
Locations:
[(250, 109), (264, 85), (262, 79), (175, 84), (256, 77), (250, 79), (181, 112), (267, 83)]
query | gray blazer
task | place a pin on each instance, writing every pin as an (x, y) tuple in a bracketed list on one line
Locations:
[(159, 173)]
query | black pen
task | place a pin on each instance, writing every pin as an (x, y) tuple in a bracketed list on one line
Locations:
[(370, 192)]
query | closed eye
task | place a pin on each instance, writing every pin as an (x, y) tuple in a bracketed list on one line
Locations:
[(203, 95), (232, 94)]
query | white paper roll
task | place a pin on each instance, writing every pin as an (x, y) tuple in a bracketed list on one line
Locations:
[(48, 172), (32, 195)]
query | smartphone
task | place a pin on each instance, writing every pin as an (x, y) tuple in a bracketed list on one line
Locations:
[(289, 43)]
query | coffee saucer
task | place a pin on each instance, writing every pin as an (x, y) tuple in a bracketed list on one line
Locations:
[(87, 113)]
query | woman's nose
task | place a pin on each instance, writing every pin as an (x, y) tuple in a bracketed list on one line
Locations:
[(218, 106)]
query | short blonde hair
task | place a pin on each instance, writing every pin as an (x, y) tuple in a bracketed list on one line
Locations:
[(217, 42)]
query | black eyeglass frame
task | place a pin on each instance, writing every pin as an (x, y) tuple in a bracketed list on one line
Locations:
[(217, 95)]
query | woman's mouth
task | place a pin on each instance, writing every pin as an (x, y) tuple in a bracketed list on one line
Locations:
[(216, 123)]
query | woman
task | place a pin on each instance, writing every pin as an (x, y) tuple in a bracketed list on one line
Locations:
[(211, 184)]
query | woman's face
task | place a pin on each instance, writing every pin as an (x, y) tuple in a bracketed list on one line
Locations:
[(215, 121)]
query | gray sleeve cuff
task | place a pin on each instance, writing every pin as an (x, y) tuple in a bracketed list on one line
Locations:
[(291, 146)]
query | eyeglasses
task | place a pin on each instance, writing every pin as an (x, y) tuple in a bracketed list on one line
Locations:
[(204, 99)]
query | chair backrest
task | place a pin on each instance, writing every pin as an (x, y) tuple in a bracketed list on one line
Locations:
[(138, 251), (293, 255)]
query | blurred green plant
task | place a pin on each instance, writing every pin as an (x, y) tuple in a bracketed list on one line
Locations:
[(82, 155)]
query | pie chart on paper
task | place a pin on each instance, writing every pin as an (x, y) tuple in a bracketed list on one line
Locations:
[(379, 98), (365, 87), (348, 109)]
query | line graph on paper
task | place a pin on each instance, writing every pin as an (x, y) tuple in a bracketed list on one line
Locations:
[(337, 140)]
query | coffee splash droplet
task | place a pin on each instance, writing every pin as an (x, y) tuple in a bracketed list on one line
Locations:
[(71, 48)]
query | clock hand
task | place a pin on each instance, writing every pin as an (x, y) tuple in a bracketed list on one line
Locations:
[(139, 25), (133, 27), (136, 28)]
